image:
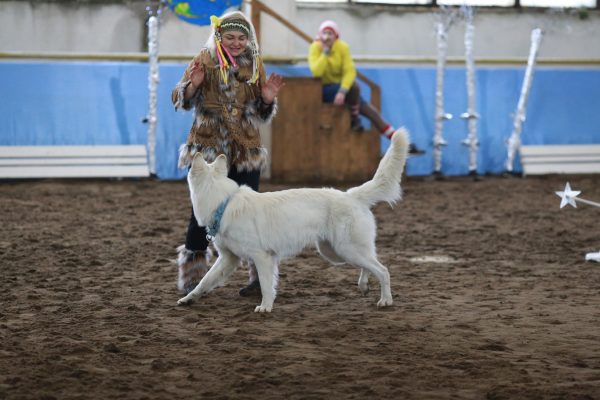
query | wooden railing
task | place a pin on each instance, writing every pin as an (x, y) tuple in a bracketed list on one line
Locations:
[(258, 7)]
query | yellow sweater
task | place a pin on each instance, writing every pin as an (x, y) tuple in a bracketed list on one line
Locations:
[(335, 67)]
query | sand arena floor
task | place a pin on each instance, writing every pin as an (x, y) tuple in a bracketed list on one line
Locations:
[(492, 300)]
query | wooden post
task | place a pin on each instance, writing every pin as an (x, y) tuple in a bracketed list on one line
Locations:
[(263, 7), (255, 18)]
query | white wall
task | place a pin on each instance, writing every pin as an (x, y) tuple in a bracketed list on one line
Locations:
[(498, 33), (37, 26), (177, 37)]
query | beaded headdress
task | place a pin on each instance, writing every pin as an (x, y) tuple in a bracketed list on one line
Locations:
[(240, 25)]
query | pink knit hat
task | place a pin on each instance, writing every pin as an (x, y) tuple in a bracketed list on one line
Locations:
[(329, 25)]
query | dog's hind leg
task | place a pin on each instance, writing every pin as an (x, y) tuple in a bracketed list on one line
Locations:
[(369, 263), (327, 252), (363, 281), (216, 276), (381, 272), (268, 275)]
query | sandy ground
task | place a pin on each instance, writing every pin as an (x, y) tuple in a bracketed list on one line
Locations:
[(88, 300)]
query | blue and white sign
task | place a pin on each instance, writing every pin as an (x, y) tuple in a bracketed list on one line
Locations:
[(198, 12)]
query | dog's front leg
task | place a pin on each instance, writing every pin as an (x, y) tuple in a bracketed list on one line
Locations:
[(267, 276), (230, 264), (215, 276)]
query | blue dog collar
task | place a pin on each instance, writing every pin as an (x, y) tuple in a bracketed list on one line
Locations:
[(213, 228)]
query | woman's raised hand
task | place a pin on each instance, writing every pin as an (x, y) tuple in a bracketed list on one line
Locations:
[(271, 87), (197, 74)]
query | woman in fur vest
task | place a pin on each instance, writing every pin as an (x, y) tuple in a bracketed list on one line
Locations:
[(226, 86)]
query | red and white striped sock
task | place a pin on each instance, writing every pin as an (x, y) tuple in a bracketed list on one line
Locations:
[(388, 131)]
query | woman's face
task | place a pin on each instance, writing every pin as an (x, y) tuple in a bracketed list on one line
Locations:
[(328, 37), (235, 42)]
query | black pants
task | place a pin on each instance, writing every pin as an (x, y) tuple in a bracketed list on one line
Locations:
[(195, 238)]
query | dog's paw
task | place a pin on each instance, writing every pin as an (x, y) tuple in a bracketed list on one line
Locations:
[(364, 289), (384, 302), (262, 309), (185, 301)]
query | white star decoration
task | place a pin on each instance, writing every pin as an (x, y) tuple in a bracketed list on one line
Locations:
[(568, 196)]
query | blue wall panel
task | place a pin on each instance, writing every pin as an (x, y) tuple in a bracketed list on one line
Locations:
[(104, 102), (72, 103)]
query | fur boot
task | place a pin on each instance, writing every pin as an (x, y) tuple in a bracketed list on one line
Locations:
[(192, 266)]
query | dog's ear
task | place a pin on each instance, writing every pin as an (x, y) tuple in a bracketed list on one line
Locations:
[(221, 165), (198, 163)]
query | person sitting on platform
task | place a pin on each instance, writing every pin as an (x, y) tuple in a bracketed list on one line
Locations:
[(329, 58)]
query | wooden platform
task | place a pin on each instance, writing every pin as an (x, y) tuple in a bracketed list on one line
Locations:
[(312, 142), (560, 159), (23, 162)]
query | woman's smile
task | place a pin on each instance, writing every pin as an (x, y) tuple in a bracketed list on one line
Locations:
[(235, 42)]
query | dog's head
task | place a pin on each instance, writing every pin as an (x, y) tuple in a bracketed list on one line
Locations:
[(202, 173), (209, 185)]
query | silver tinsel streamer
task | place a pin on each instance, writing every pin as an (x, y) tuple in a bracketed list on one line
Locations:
[(514, 142), (442, 27), (153, 79), (471, 115)]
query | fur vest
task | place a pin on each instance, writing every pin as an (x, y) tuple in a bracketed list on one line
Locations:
[(227, 116)]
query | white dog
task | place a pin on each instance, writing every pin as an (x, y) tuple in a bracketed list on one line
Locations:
[(267, 227)]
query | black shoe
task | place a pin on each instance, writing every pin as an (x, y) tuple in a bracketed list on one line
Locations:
[(356, 125), (252, 287), (414, 150)]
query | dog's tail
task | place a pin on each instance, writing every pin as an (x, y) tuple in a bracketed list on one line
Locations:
[(385, 185)]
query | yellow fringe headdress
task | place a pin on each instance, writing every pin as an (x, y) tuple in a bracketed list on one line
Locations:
[(226, 60)]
